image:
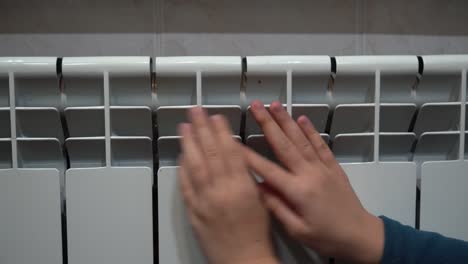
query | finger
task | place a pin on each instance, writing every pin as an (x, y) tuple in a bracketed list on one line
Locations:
[(272, 174), (185, 184), (292, 131), (231, 150), (207, 140), (283, 148), (293, 223), (193, 160), (316, 140)]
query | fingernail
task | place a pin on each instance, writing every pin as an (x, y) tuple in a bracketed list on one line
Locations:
[(216, 118), (303, 120), (257, 105), (195, 111), (276, 106)]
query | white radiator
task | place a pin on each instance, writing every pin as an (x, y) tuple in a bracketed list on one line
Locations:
[(88, 145)]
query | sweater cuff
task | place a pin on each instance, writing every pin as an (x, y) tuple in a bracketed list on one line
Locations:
[(392, 231)]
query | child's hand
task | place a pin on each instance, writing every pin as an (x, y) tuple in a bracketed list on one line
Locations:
[(221, 198), (312, 196)]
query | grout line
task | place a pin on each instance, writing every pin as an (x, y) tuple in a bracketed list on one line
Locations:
[(162, 28), (14, 145), (358, 12), (107, 121), (461, 154), (158, 26), (377, 117), (363, 14)]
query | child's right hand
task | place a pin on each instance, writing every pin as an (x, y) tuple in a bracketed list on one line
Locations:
[(311, 195)]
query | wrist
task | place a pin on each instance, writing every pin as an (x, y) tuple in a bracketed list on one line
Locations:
[(369, 240), (271, 259), (253, 254), (265, 259)]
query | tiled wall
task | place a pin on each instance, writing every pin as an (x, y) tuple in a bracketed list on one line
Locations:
[(227, 27)]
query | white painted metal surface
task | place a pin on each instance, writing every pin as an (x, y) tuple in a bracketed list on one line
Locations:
[(437, 117), (386, 188), (29, 66), (274, 65), (109, 215), (95, 66), (444, 207), (125, 121), (370, 64), (30, 216), (32, 163), (177, 242), (440, 64), (407, 127), (362, 116), (358, 147), (169, 151), (109, 188), (354, 147), (39, 122), (189, 66), (443, 183), (396, 117)]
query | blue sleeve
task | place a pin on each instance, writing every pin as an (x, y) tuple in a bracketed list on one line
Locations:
[(404, 244)]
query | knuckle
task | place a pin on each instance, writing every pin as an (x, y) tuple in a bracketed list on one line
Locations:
[(314, 133), (219, 201), (307, 191), (196, 168), (189, 201), (186, 195), (327, 156), (323, 149), (211, 152), (284, 145), (223, 122), (201, 126), (322, 182), (264, 119), (296, 231), (282, 117), (322, 146), (182, 182), (232, 147), (302, 189), (194, 220), (312, 231), (200, 178), (307, 146), (204, 215)]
